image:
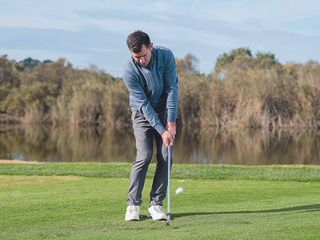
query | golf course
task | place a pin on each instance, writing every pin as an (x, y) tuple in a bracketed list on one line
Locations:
[(88, 201)]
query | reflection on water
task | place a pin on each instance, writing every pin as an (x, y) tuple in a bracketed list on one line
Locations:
[(251, 147), (94, 144), (65, 145)]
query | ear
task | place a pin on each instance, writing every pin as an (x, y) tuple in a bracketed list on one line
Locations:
[(151, 46)]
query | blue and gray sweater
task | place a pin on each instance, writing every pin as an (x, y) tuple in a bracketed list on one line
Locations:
[(153, 90)]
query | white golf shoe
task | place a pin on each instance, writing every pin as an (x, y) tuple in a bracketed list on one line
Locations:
[(132, 213), (156, 212)]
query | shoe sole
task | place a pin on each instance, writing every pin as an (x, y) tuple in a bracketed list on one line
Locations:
[(132, 220), (160, 219)]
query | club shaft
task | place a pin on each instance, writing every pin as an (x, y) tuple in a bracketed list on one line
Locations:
[(169, 173)]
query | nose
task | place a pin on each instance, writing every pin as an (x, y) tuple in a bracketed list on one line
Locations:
[(142, 61)]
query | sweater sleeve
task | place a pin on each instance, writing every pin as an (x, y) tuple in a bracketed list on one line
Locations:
[(171, 87)]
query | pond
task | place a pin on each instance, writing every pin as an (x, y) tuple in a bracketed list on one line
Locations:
[(247, 147)]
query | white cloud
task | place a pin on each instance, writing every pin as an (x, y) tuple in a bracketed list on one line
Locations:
[(270, 12), (202, 27), (37, 22)]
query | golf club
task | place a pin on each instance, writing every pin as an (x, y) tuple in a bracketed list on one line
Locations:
[(168, 189)]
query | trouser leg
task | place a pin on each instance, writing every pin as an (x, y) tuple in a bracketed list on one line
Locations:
[(160, 180), (144, 145)]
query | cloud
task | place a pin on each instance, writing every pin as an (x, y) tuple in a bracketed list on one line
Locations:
[(38, 22), (94, 32), (272, 10)]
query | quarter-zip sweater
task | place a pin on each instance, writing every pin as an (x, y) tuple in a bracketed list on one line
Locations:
[(155, 89)]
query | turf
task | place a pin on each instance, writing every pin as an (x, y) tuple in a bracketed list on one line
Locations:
[(39, 206), (303, 173)]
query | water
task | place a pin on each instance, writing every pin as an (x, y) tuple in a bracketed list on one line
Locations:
[(48, 144)]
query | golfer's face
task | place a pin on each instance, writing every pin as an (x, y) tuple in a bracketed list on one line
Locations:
[(144, 56)]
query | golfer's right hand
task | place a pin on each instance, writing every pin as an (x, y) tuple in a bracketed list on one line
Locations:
[(167, 138)]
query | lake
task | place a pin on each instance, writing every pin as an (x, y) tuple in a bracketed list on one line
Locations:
[(247, 147)]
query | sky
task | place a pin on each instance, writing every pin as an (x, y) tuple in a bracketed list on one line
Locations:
[(94, 32)]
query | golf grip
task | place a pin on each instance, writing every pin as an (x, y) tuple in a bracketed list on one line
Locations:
[(169, 173)]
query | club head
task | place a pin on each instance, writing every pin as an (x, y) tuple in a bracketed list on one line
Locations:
[(168, 220)]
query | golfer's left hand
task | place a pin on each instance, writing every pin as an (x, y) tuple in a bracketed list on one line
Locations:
[(167, 138), (171, 127)]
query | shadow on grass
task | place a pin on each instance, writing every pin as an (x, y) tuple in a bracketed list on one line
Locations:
[(144, 217), (303, 208)]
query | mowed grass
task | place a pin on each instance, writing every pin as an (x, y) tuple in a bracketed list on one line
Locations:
[(78, 207)]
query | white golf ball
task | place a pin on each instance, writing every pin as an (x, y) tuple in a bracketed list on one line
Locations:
[(179, 190)]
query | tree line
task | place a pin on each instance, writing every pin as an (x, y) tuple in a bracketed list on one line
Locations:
[(243, 90)]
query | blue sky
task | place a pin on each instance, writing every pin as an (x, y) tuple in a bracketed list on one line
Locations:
[(94, 32)]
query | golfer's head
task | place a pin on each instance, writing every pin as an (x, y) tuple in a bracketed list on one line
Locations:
[(140, 47)]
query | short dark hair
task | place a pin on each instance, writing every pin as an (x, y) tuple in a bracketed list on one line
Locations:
[(136, 39)]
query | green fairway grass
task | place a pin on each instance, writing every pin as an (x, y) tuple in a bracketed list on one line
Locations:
[(88, 201), (300, 173)]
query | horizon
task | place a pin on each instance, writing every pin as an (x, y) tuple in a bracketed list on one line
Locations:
[(95, 33)]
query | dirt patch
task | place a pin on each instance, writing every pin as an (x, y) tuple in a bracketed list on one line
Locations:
[(17, 161)]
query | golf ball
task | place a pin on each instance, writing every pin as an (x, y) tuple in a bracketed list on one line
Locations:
[(179, 190)]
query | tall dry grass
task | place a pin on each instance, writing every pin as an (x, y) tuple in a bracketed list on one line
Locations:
[(246, 92)]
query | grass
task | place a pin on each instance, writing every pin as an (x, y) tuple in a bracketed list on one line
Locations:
[(301, 173), (86, 201)]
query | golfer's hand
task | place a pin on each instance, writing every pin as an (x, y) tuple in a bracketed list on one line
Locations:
[(171, 127), (167, 138)]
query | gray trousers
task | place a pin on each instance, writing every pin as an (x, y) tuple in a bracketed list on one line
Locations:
[(145, 134)]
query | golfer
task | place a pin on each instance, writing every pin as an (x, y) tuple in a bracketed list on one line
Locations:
[(151, 78)]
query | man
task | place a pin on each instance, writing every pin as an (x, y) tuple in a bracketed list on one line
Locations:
[(151, 79)]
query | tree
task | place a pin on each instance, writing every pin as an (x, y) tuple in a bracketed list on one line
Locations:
[(266, 59), (8, 72), (187, 65), (227, 58)]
